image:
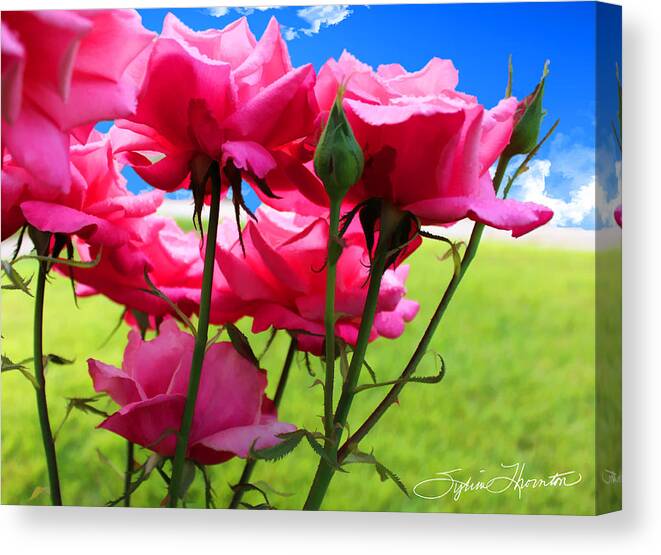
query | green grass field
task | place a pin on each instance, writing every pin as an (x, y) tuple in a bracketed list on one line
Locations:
[(518, 341)]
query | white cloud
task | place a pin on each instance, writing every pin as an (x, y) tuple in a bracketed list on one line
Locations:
[(288, 32), (582, 186), (576, 211), (218, 12), (315, 18), (318, 17), (222, 11), (573, 163), (252, 9)]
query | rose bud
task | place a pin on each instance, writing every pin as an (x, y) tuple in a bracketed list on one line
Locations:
[(338, 160), (528, 120)]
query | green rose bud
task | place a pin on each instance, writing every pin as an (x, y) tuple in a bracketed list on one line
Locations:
[(338, 159), (528, 120)]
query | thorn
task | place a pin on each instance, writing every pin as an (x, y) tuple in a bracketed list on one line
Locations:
[(70, 254)]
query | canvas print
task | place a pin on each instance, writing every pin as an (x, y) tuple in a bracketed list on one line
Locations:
[(357, 258)]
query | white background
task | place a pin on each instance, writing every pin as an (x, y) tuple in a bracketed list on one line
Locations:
[(119, 531)]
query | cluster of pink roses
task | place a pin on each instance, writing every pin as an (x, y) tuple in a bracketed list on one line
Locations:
[(279, 284), (182, 101)]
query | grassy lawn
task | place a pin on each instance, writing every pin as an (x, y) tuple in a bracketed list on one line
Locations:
[(518, 341)]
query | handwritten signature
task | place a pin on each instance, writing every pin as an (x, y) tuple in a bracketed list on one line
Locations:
[(512, 479)]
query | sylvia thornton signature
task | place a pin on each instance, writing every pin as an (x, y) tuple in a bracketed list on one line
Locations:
[(455, 483)]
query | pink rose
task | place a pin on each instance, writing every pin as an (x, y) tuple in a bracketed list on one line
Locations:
[(62, 70), (618, 215), (232, 413), (95, 206), (428, 149), (281, 281), (218, 95), (170, 256)]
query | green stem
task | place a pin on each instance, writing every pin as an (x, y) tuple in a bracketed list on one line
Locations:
[(421, 349), (284, 375), (334, 251), (128, 473), (282, 382), (42, 405), (322, 479), (200, 340)]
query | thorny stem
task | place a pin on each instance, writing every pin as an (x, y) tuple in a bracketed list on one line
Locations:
[(334, 251), (42, 405), (128, 473), (200, 340), (421, 349), (388, 223)]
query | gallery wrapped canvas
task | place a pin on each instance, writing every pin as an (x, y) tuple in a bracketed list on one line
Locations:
[(359, 258)]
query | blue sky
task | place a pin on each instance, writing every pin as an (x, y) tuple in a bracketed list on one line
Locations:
[(478, 38)]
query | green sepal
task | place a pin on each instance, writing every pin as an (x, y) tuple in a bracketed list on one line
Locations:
[(187, 478), (289, 442), (241, 344), (528, 120), (17, 281), (384, 472), (8, 365), (434, 379), (338, 158), (151, 288)]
